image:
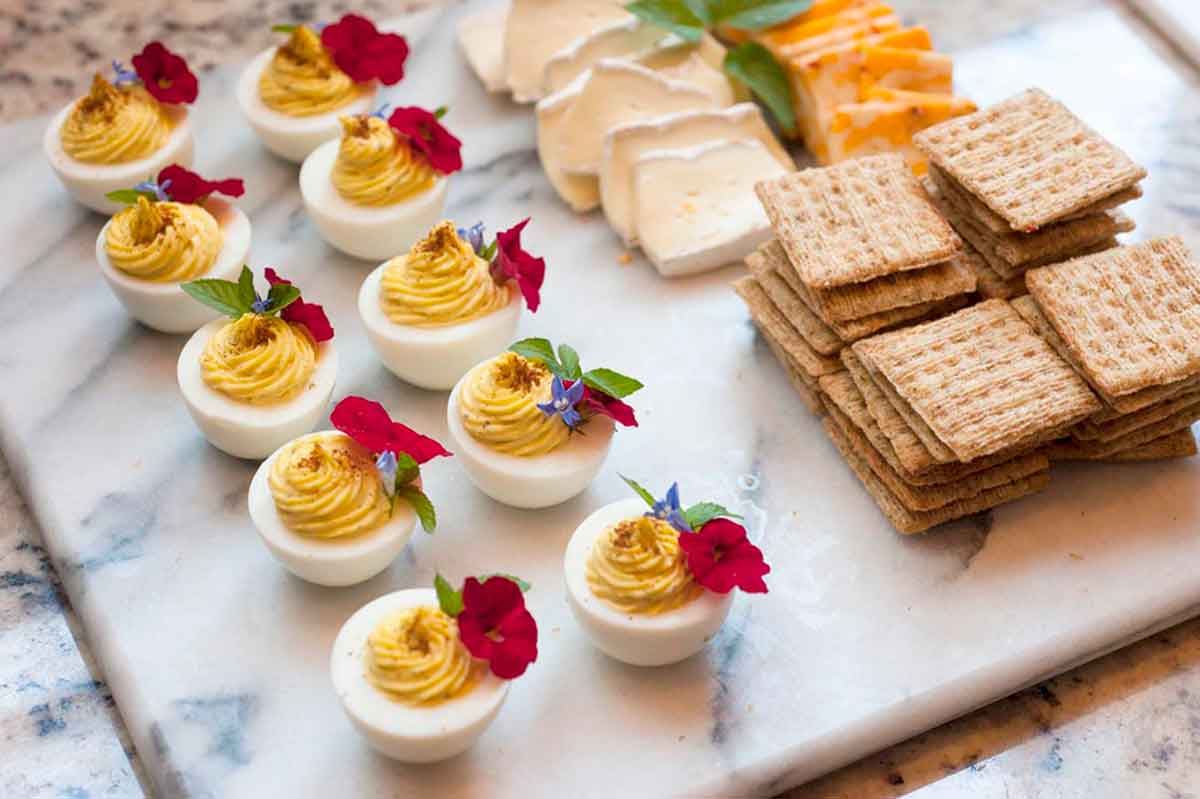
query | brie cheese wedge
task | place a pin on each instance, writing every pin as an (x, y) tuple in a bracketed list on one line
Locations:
[(538, 29), (625, 144), (616, 92), (701, 63), (696, 208), (481, 39), (581, 192), (623, 38)]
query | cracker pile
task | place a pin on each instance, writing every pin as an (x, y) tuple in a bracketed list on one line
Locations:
[(1026, 183), (944, 399)]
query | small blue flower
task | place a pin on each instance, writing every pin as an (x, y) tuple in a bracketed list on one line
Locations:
[(386, 464), (474, 236), (669, 510), (159, 191), (124, 76), (260, 304), (563, 401), (381, 111)]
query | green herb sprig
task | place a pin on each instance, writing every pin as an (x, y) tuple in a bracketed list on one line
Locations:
[(565, 364)]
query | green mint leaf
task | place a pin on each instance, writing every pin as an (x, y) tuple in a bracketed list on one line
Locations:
[(441, 111), (570, 361), (281, 296), (522, 584), (753, 65), (220, 295), (646, 496), (129, 196), (677, 16), (286, 28), (702, 513), (449, 600), (420, 505), (755, 15), (538, 349), (614, 384), (489, 252), (246, 287), (407, 469)]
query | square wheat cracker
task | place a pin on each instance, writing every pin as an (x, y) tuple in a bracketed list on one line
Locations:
[(770, 320), (818, 335)]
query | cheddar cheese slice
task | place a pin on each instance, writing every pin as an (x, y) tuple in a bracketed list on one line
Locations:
[(886, 122)]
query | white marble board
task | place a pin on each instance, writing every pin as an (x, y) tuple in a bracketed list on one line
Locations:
[(218, 659)]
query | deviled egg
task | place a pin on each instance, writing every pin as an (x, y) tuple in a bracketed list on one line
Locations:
[(531, 431), (382, 185), (448, 304), (124, 129), (157, 242), (261, 376), (419, 676)]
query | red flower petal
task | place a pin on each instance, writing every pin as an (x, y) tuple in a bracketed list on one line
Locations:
[(369, 424), (721, 558), (363, 53), (597, 403), (514, 263), (309, 314), (495, 626), (188, 187), (428, 137), (165, 75)]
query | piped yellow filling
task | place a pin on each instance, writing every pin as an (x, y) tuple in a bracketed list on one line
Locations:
[(259, 359), (499, 400), (113, 125), (637, 567), (301, 79), (416, 657), (326, 486), (163, 242), (374, 167)]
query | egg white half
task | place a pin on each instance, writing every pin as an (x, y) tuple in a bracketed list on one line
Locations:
[(371, 233), (434, 357), (409, 733), (639, 640), (252, 431), (88, 183), (164, 306), (534, 482), (292, 138), (326, 561)]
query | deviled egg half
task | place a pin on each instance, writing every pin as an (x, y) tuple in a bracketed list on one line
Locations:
[(449, 303), (261, 376), (419, 676), (125, 129), (293, 94), (158, 242), (637, 582), (531, 428), (336, 511), (380, 187)]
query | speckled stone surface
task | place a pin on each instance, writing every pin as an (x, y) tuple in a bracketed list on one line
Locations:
[(1127, 725)]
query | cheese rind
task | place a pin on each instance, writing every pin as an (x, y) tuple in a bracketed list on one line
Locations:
[(696, 207), (481, 39), (625, 144), (538, 29), (581, 192), (623, 38)]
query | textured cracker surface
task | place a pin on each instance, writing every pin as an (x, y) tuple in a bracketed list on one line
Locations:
[(1181, 444), (771, 321), (1090, 430), (1130, 316), (901, 290), (818, 335), (1074, 449), (1029, 159), (940, 452), (982, 379), (989, 283), (913, 455), (857, 220)]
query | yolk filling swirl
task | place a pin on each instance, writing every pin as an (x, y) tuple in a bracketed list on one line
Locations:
[(301, 79), (114, 125), (163, 242), (374, 167), (637, 567), (326, 486), (416, 657), (440, 282), (499, 407), (259, 359)]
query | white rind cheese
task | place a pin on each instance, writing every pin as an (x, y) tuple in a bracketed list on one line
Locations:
[(581, 192), (481, 39), (623, 38), (625, 144), (696, 208), (538, 29)]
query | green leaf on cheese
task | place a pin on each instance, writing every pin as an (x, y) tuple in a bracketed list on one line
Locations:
[(677, 16), (753, 65)]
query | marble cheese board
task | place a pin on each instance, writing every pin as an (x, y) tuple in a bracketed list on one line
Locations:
[(218, 659)]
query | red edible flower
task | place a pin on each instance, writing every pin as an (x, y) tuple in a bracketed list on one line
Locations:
[(363, 53), (513, 263), (304, 313), (495, 626), (721, 558), (188, 187), (601, 404), (427, 135), (368, 423), (165, 75)]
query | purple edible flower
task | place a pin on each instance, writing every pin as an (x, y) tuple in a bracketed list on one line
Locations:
[(669, 510), (563, 401)]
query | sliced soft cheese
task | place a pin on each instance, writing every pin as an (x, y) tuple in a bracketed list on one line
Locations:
[(625, 144), (696, 207), (887, 121), (701, 63), (538, 29), (481, 38), (617, 92), (581, 192), (625, 37)]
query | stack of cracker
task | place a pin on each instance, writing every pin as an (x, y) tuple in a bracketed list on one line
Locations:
[(859, 248), (1128, 321), (1026, 183)]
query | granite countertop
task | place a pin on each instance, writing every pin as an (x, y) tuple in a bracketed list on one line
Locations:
[(1125, 725)]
